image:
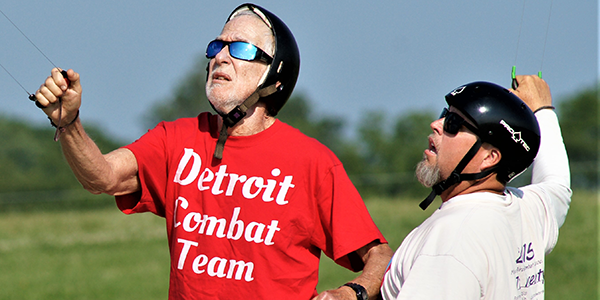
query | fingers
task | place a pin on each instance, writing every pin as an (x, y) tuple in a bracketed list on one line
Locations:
[(61, 78), (534, 91), (74, 80), (56, 86), (49, 92), (527, 80)]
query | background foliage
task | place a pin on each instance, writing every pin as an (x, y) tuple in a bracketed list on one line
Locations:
[(380, 156)]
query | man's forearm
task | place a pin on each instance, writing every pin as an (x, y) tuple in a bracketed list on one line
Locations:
[(113, 173), (376, 260)]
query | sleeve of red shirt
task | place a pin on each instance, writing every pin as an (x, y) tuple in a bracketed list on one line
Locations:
[(345, 223), (150, 153)]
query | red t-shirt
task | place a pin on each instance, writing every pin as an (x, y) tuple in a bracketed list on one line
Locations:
[(253, 225)]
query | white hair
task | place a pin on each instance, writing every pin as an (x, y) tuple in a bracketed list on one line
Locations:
[(270, 47)]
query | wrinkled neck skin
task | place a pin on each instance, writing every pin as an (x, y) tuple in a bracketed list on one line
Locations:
[(487, 184), (255, 121)]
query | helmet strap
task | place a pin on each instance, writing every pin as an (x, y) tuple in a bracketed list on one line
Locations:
[(237, 114), (456, 177)]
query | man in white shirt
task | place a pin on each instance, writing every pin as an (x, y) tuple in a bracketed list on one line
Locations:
[(487, 240)]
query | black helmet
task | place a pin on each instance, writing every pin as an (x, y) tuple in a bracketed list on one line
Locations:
[(283, 69), (502, 120), (286, 61)]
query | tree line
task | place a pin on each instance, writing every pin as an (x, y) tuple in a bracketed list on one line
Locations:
[(380, 157)]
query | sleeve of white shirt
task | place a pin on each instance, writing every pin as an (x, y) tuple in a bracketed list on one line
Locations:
[(551, 178), (551, 165), (440, 277)]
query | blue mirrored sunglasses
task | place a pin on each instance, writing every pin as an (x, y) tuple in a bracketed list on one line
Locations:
[(239, 50), (453, 122)]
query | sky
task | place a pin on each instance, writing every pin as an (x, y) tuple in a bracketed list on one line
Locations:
[(385, 56)]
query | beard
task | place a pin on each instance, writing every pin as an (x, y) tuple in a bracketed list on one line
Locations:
[(428, 175), (224, 103)]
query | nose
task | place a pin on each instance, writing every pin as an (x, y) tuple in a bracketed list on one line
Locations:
[(437, 126), (223, 55)]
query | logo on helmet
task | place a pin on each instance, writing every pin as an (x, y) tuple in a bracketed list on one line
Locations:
[(458, 90), (516, 136)]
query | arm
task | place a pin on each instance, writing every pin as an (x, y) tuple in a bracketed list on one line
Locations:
[(114, 173), (550, 169), (376, 257)]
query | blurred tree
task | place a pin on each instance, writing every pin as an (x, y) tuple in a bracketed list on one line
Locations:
[(187, 100), (390, 153), (298, 113), (380, 160), (31, 161), (580, 127), (408, 143)]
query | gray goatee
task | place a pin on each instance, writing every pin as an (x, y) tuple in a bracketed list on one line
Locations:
[(428, 175)]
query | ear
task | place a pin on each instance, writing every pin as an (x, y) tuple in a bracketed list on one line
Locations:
[(492, 156)]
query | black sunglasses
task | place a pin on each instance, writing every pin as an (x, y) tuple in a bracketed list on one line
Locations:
[(453, 122), (240, 50)]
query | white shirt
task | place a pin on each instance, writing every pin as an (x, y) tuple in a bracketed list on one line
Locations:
[(488, 246)]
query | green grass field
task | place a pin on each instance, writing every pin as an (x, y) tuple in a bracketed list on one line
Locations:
[(103, 254)]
